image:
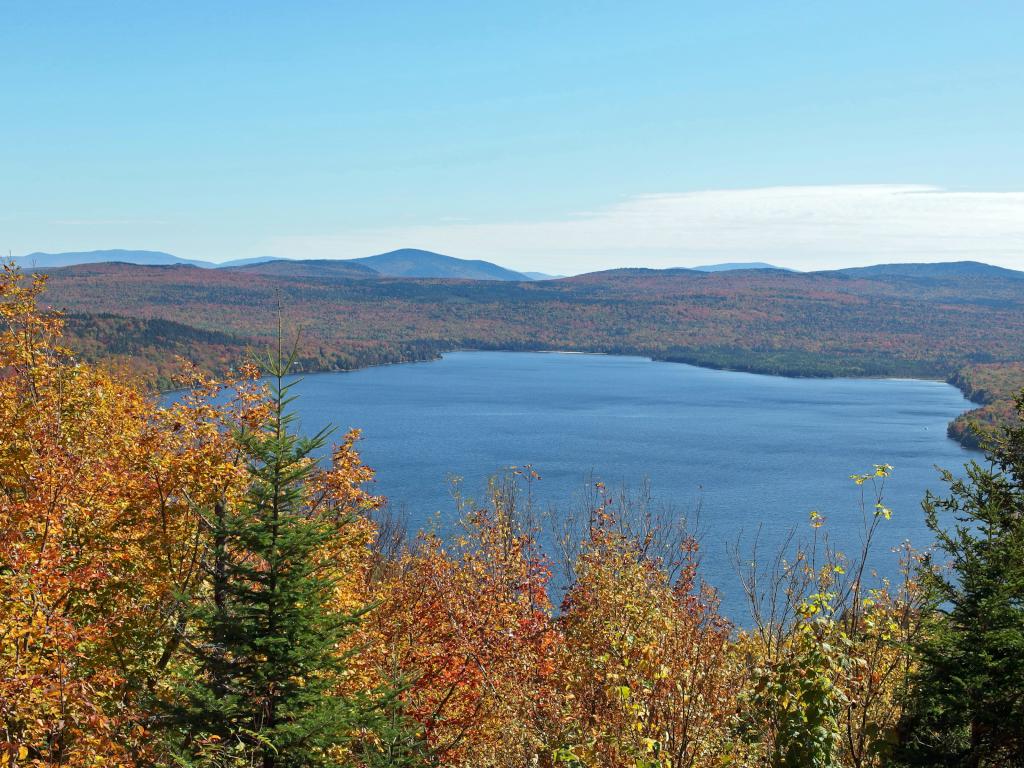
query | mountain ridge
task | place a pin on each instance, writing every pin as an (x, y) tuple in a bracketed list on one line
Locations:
[(734, 266), (404, 262), (419, 263), (415, 262), (931, 270)]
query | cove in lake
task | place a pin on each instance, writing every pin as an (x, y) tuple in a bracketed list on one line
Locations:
[(752, 450)]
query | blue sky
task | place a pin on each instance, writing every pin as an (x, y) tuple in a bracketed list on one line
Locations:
[(551, 136)]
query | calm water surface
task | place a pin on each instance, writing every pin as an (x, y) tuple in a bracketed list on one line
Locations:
[(751, 450)]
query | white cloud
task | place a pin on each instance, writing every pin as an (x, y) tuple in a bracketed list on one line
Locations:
[(812, 227)]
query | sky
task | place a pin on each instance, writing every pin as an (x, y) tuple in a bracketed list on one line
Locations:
[(559, 137)]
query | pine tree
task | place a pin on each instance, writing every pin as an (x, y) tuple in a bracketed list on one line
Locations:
[(265, 645), (968, 703)]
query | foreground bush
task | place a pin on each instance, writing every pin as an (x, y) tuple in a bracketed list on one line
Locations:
[(968, 696)]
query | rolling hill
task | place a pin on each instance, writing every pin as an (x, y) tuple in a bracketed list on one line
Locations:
[(309, 268), (412, 262), (245, 262), (934, 271), (759, 320), (731, 266)]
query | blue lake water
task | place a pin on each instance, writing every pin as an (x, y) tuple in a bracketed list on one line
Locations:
[(750, 450)]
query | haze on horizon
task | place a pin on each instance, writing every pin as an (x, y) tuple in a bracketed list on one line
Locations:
[(553, 138)]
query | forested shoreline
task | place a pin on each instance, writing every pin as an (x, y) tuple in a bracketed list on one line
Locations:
[(150, 350), (950, 327)]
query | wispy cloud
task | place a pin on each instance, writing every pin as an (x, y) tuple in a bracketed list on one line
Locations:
[(808, 227)]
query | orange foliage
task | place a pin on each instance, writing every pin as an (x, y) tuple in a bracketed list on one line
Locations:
[(471, 632)]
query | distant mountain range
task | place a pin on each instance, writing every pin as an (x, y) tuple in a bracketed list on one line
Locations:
[(406, 262), (416, 263), (734, 265), (40, 260)]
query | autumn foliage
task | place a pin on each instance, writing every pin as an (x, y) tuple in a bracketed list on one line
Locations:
[(122, 522)]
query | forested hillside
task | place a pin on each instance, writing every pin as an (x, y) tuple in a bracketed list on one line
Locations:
[(899, 322), (994, 386)]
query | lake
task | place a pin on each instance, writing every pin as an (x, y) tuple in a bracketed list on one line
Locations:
[(750, 450)]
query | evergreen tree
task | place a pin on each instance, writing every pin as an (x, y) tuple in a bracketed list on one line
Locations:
[(968, 702), (265, 646)]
